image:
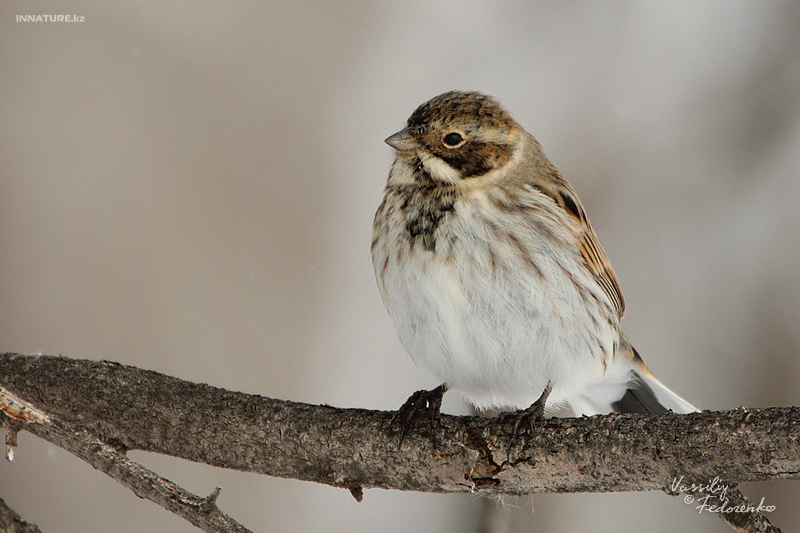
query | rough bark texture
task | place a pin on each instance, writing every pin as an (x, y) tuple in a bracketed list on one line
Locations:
[(13, 523), (128, 408)]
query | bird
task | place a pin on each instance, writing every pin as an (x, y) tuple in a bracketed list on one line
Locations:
[(493, 276)]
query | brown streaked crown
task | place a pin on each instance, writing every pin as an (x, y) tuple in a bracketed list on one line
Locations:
[(455, 106)]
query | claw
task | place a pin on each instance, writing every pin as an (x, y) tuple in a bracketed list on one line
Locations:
[(422, 400), (532, 414)]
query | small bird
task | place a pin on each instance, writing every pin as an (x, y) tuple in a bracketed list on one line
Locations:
[(493, 276)]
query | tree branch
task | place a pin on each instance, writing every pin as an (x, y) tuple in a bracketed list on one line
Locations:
[(11, 521), (201, 512), (111, 408)]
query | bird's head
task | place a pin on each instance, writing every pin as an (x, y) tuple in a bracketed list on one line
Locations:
[(455, 136)]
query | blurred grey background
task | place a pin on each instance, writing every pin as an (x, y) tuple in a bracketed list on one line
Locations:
[(189, 187)]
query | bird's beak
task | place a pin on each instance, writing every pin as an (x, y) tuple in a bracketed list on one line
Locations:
[(402, 140)]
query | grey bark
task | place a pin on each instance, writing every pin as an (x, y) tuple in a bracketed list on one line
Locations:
[(13, 523)]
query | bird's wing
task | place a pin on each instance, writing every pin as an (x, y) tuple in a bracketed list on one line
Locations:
[(557, 188)]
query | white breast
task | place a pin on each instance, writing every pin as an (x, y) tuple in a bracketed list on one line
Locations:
[(477, 316)]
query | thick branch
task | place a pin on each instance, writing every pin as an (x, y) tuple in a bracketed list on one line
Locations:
[(130, 408)]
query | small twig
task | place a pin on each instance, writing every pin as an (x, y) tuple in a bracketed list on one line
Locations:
[(11, 440), (358, 494), (19, 409), (11, 521), (201, 512), (746, 522)]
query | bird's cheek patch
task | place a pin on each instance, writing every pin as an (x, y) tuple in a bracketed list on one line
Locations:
[(476, 159)]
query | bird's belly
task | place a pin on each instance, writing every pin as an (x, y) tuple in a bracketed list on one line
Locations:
[(495, 333)]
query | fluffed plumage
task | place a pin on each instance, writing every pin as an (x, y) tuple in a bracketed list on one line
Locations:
[(492, 273)]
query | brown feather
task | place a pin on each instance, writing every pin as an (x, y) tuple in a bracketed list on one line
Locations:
[(557, 188)]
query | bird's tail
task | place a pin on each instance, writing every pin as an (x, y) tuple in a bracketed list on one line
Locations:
[(629, 387)]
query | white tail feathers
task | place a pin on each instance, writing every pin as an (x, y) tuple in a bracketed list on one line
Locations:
[(666, 397), (628, 387)]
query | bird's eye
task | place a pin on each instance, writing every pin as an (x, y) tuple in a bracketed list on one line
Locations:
[(453, 139)]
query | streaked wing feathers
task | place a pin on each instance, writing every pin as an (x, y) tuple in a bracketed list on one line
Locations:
[(561, 192)]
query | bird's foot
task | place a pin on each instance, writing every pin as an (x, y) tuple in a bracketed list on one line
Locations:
[(526, 418), (427, 401)]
